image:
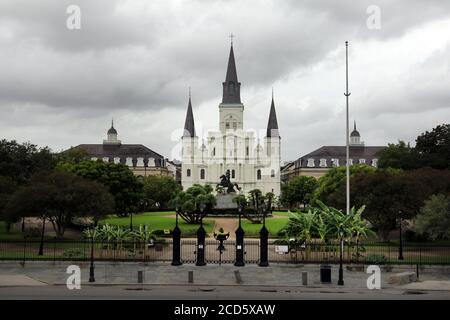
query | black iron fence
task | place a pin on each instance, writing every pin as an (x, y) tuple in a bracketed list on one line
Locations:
[(311, 252)]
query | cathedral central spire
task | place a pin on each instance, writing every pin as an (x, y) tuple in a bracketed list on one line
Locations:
[(272, 125), (189, 126), (231, 86)]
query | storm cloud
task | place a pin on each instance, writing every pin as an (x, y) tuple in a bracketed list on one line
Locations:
[(134, 61)]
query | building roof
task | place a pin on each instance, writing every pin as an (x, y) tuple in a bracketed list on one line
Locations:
[(122, 150), (189, 126), (231, 86), (272, 125), (339, 152), (355, 133), (112, 130)]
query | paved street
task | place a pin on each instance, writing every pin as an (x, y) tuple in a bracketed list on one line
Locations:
[(211, 293)]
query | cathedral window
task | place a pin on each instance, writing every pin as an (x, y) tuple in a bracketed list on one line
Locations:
[(272, 173), (246, 151), (188, 172), (214, 152), (227, 125), (258, 174), (202, 174), (233, 174), (234, 125)]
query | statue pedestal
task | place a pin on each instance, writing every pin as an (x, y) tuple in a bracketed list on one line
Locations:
[(225, 201)]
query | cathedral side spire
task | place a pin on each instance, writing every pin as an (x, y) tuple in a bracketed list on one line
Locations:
[(231, 86), (189, 126), (272, 125)]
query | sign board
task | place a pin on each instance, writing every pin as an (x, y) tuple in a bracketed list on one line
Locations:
[(281, 249), (239, 247), (200, 246)]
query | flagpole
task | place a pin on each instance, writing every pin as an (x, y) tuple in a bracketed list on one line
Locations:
[(347, 169)]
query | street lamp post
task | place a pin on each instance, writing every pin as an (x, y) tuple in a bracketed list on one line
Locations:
[(91, 269), (239, 242), (400, 248), (341, 251)]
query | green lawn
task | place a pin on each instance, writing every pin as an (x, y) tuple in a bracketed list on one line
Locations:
[(159, 221), (281, 213), (274, 225)]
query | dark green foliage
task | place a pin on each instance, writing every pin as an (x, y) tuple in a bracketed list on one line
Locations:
[(58, 196), (125, 187), (434, 218), (160, 190), (194, 203), (299, 190)]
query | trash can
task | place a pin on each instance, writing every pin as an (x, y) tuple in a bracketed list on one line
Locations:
[(325, 274)]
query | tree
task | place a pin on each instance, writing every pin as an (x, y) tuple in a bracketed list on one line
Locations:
[(330, 186), (298, 190), (20, 161), (399, 156), (434, 217), (73, 155), (392, 194), (432, 150), (194, 203), (160, 190), (7, 188), (58, 196), (126, 189), (434, 147)]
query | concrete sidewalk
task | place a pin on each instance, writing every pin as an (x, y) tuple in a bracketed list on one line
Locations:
[(276, 275)]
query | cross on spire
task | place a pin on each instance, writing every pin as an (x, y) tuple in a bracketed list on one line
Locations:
[(231, 38)]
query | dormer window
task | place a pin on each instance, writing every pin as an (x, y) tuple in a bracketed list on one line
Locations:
[(310, 163), (350, 162), (362, 161), (323, 163), (335, 162), (375, 162)]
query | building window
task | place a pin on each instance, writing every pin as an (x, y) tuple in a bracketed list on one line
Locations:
[(323, 163), (272, 173), (188, 172), (310, 163), (335, 162), (227, 125), (350, 162), (234, 125), (258, 174), (214, 152), (233, 174), (362, 161), (246, 151), (202, 174), (375, 162)]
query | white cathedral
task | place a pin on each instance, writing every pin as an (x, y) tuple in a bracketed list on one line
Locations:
[(251, 165)]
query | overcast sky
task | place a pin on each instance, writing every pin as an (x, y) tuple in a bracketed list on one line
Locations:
[(134, 60)]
